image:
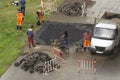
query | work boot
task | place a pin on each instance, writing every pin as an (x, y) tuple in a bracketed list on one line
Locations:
[(20, 27), (43, 21), (38, 23), (17, 27), (34, 46), (84, 48), (88, 48)]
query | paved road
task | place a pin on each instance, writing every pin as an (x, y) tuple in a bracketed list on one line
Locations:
[(108, 68)]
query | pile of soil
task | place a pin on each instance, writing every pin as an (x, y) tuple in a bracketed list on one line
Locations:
[(72, 7), (34, 62)]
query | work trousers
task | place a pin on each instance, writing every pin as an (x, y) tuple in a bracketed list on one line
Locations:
[(30, 42), (86, 43), (39, 18), (23, 10), (19, 22)]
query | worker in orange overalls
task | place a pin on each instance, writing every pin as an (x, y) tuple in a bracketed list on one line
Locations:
[(40, 16), (20, 18), (87, 39)]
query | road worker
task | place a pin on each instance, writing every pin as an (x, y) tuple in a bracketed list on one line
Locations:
[(64, 39), (87, 39), (20, 18), (40, 16), (30, 35), (22, 6)]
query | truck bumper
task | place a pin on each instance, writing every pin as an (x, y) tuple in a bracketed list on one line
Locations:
[(92, 50)]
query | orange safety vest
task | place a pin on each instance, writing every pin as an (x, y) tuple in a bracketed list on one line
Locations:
[(40, 14), (19, 16), (43, 17)]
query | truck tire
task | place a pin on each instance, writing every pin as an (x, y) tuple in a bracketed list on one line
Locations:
[(113, 51), (110, 53), (92, 52)]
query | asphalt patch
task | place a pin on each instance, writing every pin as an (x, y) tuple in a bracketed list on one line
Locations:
[(53, 30)]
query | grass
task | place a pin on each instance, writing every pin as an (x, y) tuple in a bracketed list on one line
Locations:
[(11, 40)]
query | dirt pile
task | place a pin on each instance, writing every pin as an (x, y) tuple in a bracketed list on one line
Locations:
[(72, 7), (34, 62)]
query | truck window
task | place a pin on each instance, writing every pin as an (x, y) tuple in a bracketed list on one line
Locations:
[(104, 33)]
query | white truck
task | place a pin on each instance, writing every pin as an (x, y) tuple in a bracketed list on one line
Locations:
[(105, 38)]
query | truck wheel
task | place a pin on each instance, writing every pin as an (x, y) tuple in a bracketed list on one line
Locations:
[(110, 53), (92, 53), (114, 51)]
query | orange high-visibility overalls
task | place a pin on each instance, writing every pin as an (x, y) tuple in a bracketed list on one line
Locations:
[(19, 19), (87, 38), (42, 18), (86, 43), (40, 15)]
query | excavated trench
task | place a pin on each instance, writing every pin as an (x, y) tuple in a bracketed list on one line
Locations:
[(53, 30)]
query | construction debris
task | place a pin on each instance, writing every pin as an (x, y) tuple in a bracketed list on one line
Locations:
[(34, 62)]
